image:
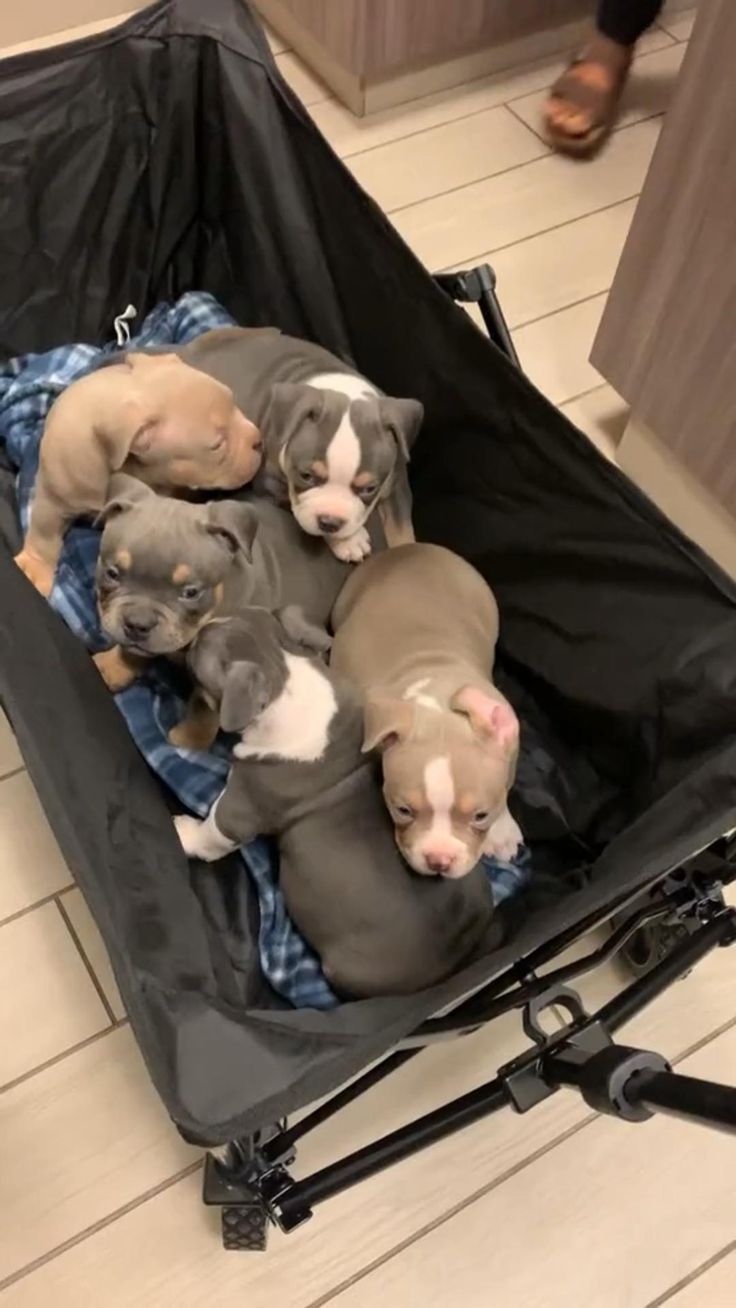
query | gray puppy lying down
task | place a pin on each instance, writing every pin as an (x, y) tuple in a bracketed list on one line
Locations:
[(299, 774)]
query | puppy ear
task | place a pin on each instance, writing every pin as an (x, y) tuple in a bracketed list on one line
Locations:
[(306, 635), (292, 404), (386, 722), (244, 696), (234, 525), (492, 719), (144, 439), (124, 493), (403, 418)]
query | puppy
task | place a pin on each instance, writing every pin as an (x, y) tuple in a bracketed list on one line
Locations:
[(152, 415), (415, 632), (166, 567), (298, 774), (335, 446)]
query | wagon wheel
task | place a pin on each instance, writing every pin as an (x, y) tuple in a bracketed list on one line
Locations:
[(650, 944), (245, 1227)]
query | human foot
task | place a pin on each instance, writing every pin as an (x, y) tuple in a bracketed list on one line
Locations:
[(583, 103)]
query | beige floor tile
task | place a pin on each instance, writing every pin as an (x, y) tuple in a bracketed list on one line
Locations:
[(10, 755), (78, 32), (171, 1237), (612, 1217), (78, 1141), (714, 1288), (562, 266), (302, 81), (679, 25), (444, 158), (31, 861), (554, 351), (450, 229), (49, 1002), (649, 91), (349, 135), (84, 925), (602, 415)]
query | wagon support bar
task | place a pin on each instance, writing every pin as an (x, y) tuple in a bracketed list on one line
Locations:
[(628, 1083)]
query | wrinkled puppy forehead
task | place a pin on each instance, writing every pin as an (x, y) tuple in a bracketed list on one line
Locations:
[(164, 541), (311, 439)]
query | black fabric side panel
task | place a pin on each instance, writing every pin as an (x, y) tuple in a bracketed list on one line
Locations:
[(105, 808)]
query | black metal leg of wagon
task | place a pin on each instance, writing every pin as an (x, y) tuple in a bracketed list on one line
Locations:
[(631, 1084), (478, 286)]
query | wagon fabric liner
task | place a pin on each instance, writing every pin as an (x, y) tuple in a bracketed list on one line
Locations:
[(168, 156)]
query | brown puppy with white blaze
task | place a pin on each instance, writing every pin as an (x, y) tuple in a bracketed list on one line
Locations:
[(154, 416), (415, 632)]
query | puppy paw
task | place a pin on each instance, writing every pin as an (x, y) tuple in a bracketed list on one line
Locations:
[(188, 830), (353, 549), (37, 571), (193, 735), (504, 839), (117, 671)]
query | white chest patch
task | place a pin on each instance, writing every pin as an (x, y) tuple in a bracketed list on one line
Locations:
[(295, 726), (416, 693), (439, 788)]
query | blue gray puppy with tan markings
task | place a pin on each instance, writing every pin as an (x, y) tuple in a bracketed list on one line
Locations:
[(335, 447)]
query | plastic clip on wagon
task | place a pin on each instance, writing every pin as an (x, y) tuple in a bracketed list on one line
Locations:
[(168, 155)]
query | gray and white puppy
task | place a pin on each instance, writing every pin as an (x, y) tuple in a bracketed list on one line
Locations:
[(166, 567), (299, 774), (335, 446)]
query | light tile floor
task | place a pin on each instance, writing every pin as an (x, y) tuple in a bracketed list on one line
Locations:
[(99, 1198)]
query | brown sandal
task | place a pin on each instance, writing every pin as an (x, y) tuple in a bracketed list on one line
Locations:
[(593, 86)]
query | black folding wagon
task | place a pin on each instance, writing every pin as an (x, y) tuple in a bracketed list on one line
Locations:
[(169, 155)]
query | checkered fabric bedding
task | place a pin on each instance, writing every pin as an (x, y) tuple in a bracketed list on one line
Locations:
[(28, 387)]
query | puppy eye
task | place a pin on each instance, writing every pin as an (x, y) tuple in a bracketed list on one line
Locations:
[(111, 572), (403, 812), (481, 817), (191, 591), (367, 492), (219, 441), (307, 479)]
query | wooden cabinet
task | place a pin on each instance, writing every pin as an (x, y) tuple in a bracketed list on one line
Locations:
[(363, 48), (667, 341)]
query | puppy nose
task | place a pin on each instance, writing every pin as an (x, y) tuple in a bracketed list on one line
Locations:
[(439, 862), (138, 628), (329, 525)]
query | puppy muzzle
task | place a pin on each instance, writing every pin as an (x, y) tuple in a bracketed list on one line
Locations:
[(144, 629), (330, 511)]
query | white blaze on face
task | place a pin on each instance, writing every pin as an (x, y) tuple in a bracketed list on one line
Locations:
[(438, 844), (343, 456), (335, 497)]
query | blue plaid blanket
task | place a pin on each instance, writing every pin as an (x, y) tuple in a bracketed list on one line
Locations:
[(28, 387)]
